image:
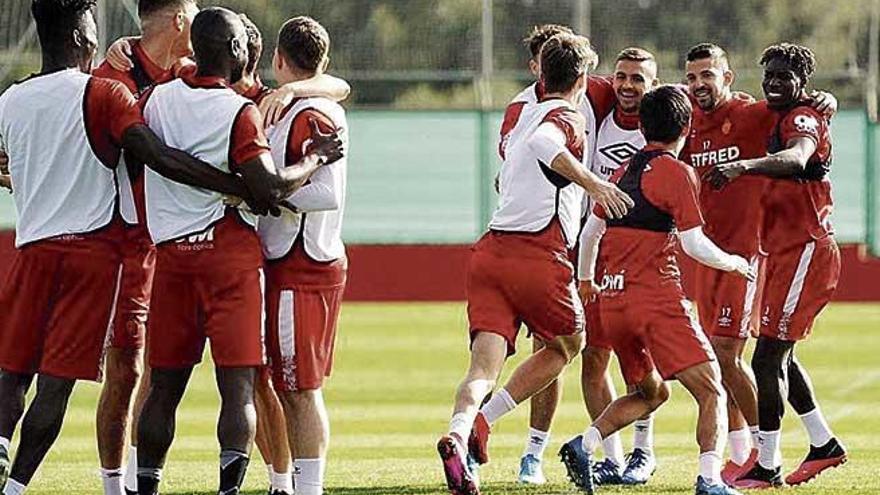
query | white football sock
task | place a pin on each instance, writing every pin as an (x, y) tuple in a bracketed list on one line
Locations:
[(4, 442), (643, 434), (592, 440), (769, 455), (536, 443), (613, 448), (308, 476), (14, 488), (740, 442), (281, 481), (817, 427), (269, 470), (131, 469), (710, 467), (460, 426), (112, 479), (500, 404), (756, 436)]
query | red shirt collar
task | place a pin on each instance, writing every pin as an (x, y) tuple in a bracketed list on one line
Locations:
[(153, 70), (628, 121), (196, 81), (256, 90)]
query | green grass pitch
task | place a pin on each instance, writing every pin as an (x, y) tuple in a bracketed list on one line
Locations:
[(391, 395)]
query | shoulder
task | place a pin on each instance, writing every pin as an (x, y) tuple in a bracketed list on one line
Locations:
[(566, 116), (672, 167), (804, 120), (103, 88), (528, 95), (600, 93)]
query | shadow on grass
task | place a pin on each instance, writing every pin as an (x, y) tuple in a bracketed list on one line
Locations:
[(369, 490)]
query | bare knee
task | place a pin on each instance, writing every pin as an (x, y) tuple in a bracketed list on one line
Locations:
[(654, 391), (569, 346), (594, 364), (124, 368)]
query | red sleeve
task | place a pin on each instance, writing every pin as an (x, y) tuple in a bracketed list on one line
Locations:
[(615, 178), (573, 125), (511, 117), (109, 110), (106, 71), (600, 92), (248, 139), (673, 187), (301, 134), (806, 122)]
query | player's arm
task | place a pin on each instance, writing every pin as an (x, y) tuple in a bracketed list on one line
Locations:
[(5, 178), (119, 53), (699, 247), (824, 103), (548, 142), (785, 163), (322, 85), (588, 252)]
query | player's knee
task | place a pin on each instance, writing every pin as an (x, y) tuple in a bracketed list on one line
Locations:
[(656, 395), (572, 345), (594, 364)]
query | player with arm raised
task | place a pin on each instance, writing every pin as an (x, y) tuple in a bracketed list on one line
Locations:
[(520, 270), (306, 263), (209, 281), (803, 264), (643, 308)]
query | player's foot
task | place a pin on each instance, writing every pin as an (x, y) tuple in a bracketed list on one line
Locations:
[(830, 455), (530, 472), (577, 463), (4, 467), (640, 466), (760, 477), (478, 441), (458, 477), (732, 471), (704, 488), (607, 472)]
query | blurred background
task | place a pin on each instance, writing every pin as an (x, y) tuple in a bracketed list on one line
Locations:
[(430, 80)]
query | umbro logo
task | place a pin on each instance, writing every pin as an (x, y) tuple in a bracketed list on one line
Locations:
[(619, 152)]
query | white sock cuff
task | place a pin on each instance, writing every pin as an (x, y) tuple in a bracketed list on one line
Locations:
[(461, 425), (110, 473), (4, 442), (504, 395), (592, 439), (14, 487)]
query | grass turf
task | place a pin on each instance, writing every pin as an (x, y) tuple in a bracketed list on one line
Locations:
[(391, 395)]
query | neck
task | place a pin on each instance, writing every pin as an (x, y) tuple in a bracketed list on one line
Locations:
[(569, 96), (212, 72), (673, 147), (246, 83), (53, 61), (159, 48)]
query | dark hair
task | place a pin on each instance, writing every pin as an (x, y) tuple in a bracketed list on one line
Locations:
[(800, 58), (706, 50), (304, 42), (540, 34), (664, 113), (635, 54), (564, 58), (56, 19), (148, 7), (254, 45)]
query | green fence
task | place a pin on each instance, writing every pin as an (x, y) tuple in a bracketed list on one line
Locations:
[(426, 177)]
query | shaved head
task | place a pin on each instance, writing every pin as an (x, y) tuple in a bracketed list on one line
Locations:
[(219, 41)]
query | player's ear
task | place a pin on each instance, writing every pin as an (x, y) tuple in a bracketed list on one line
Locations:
[(534, 68), (729, 77), (179, 22)]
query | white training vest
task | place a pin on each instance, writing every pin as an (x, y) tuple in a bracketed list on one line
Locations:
[(529, 201), (60, 185), (320, 220), (198, 121), (614, 146)]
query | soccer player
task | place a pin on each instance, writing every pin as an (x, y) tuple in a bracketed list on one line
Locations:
[(598, 103), (803, 264), (209, 281), (643, 308), (64, 285), (306, 263), (520, 270)]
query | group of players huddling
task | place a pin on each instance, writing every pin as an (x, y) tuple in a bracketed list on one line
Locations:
[(160, 214), (602, 179)]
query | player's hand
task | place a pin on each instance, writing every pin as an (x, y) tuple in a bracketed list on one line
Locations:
[(722, 174), (273, 104), (588, 290), (5, 178), (327, 146), (743, 268), (824, 103), (615, 202), (119, 54)]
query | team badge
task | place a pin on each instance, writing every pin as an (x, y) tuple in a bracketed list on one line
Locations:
[(726, 126), (806, 124)]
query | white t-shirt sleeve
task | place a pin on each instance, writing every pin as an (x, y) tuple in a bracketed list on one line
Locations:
[(322, 193), (547, 142), (589, 247), (699, 247)]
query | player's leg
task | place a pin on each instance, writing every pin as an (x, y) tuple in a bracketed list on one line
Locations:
[(236, 425), (13, 388), (641, 462), (309, 435), (541, 411), (158, 423), (123, 371), (143, 390), (742, 403), (271, 438)]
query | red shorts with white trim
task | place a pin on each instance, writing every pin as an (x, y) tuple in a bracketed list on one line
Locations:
[(800, 282), (648, 334), (301, 334), (139, 267), (727, 303), (224, 306), (58, 305), (515, 279), (596, 336)]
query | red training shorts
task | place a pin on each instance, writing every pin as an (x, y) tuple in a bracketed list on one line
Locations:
[(139, 266), (727, 302), (515, 279), (596, 336), (58, 306), (800, 282), (648, 333)]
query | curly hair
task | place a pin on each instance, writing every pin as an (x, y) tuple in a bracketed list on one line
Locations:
[(800, 58), (56, 19), (540, 34)]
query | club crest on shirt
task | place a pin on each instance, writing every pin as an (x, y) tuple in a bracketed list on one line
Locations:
[(726, 126)]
